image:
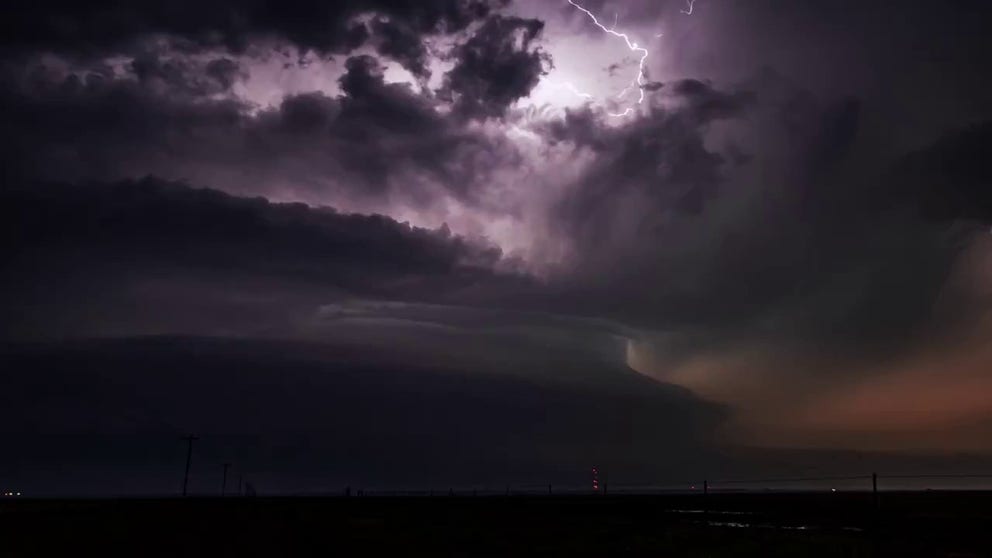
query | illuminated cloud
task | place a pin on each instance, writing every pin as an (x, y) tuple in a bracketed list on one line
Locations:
[(790, 219)]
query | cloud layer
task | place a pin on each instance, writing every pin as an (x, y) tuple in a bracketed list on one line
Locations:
[(792, 245)]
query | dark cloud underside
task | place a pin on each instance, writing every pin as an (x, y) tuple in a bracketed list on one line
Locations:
[(325, 27)]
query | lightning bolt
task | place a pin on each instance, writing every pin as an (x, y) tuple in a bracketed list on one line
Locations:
[(571, 88), (688, 4), (634, 47)]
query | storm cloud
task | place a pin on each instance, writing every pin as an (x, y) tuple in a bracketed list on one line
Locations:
[(479, 201), (323, 27)]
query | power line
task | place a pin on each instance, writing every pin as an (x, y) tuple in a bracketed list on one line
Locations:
[(948, 476), (803, 479)]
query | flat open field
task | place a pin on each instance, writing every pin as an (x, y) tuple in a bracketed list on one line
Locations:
[(948, 524)]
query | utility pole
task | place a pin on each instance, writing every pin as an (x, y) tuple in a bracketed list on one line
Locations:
[(706, 502), (189, 456), (241, 478), (874, 489), (223, 484)]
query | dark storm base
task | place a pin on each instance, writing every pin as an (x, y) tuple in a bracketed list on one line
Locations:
[(841, 524)]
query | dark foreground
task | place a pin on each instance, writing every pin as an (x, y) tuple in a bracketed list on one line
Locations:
[(948, 524)]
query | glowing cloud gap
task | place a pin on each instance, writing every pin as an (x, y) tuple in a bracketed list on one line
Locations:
[(634, 47)]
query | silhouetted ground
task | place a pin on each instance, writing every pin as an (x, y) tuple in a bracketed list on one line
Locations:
[(948, 524)]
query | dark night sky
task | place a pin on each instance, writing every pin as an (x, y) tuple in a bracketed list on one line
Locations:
[(394, 243)]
